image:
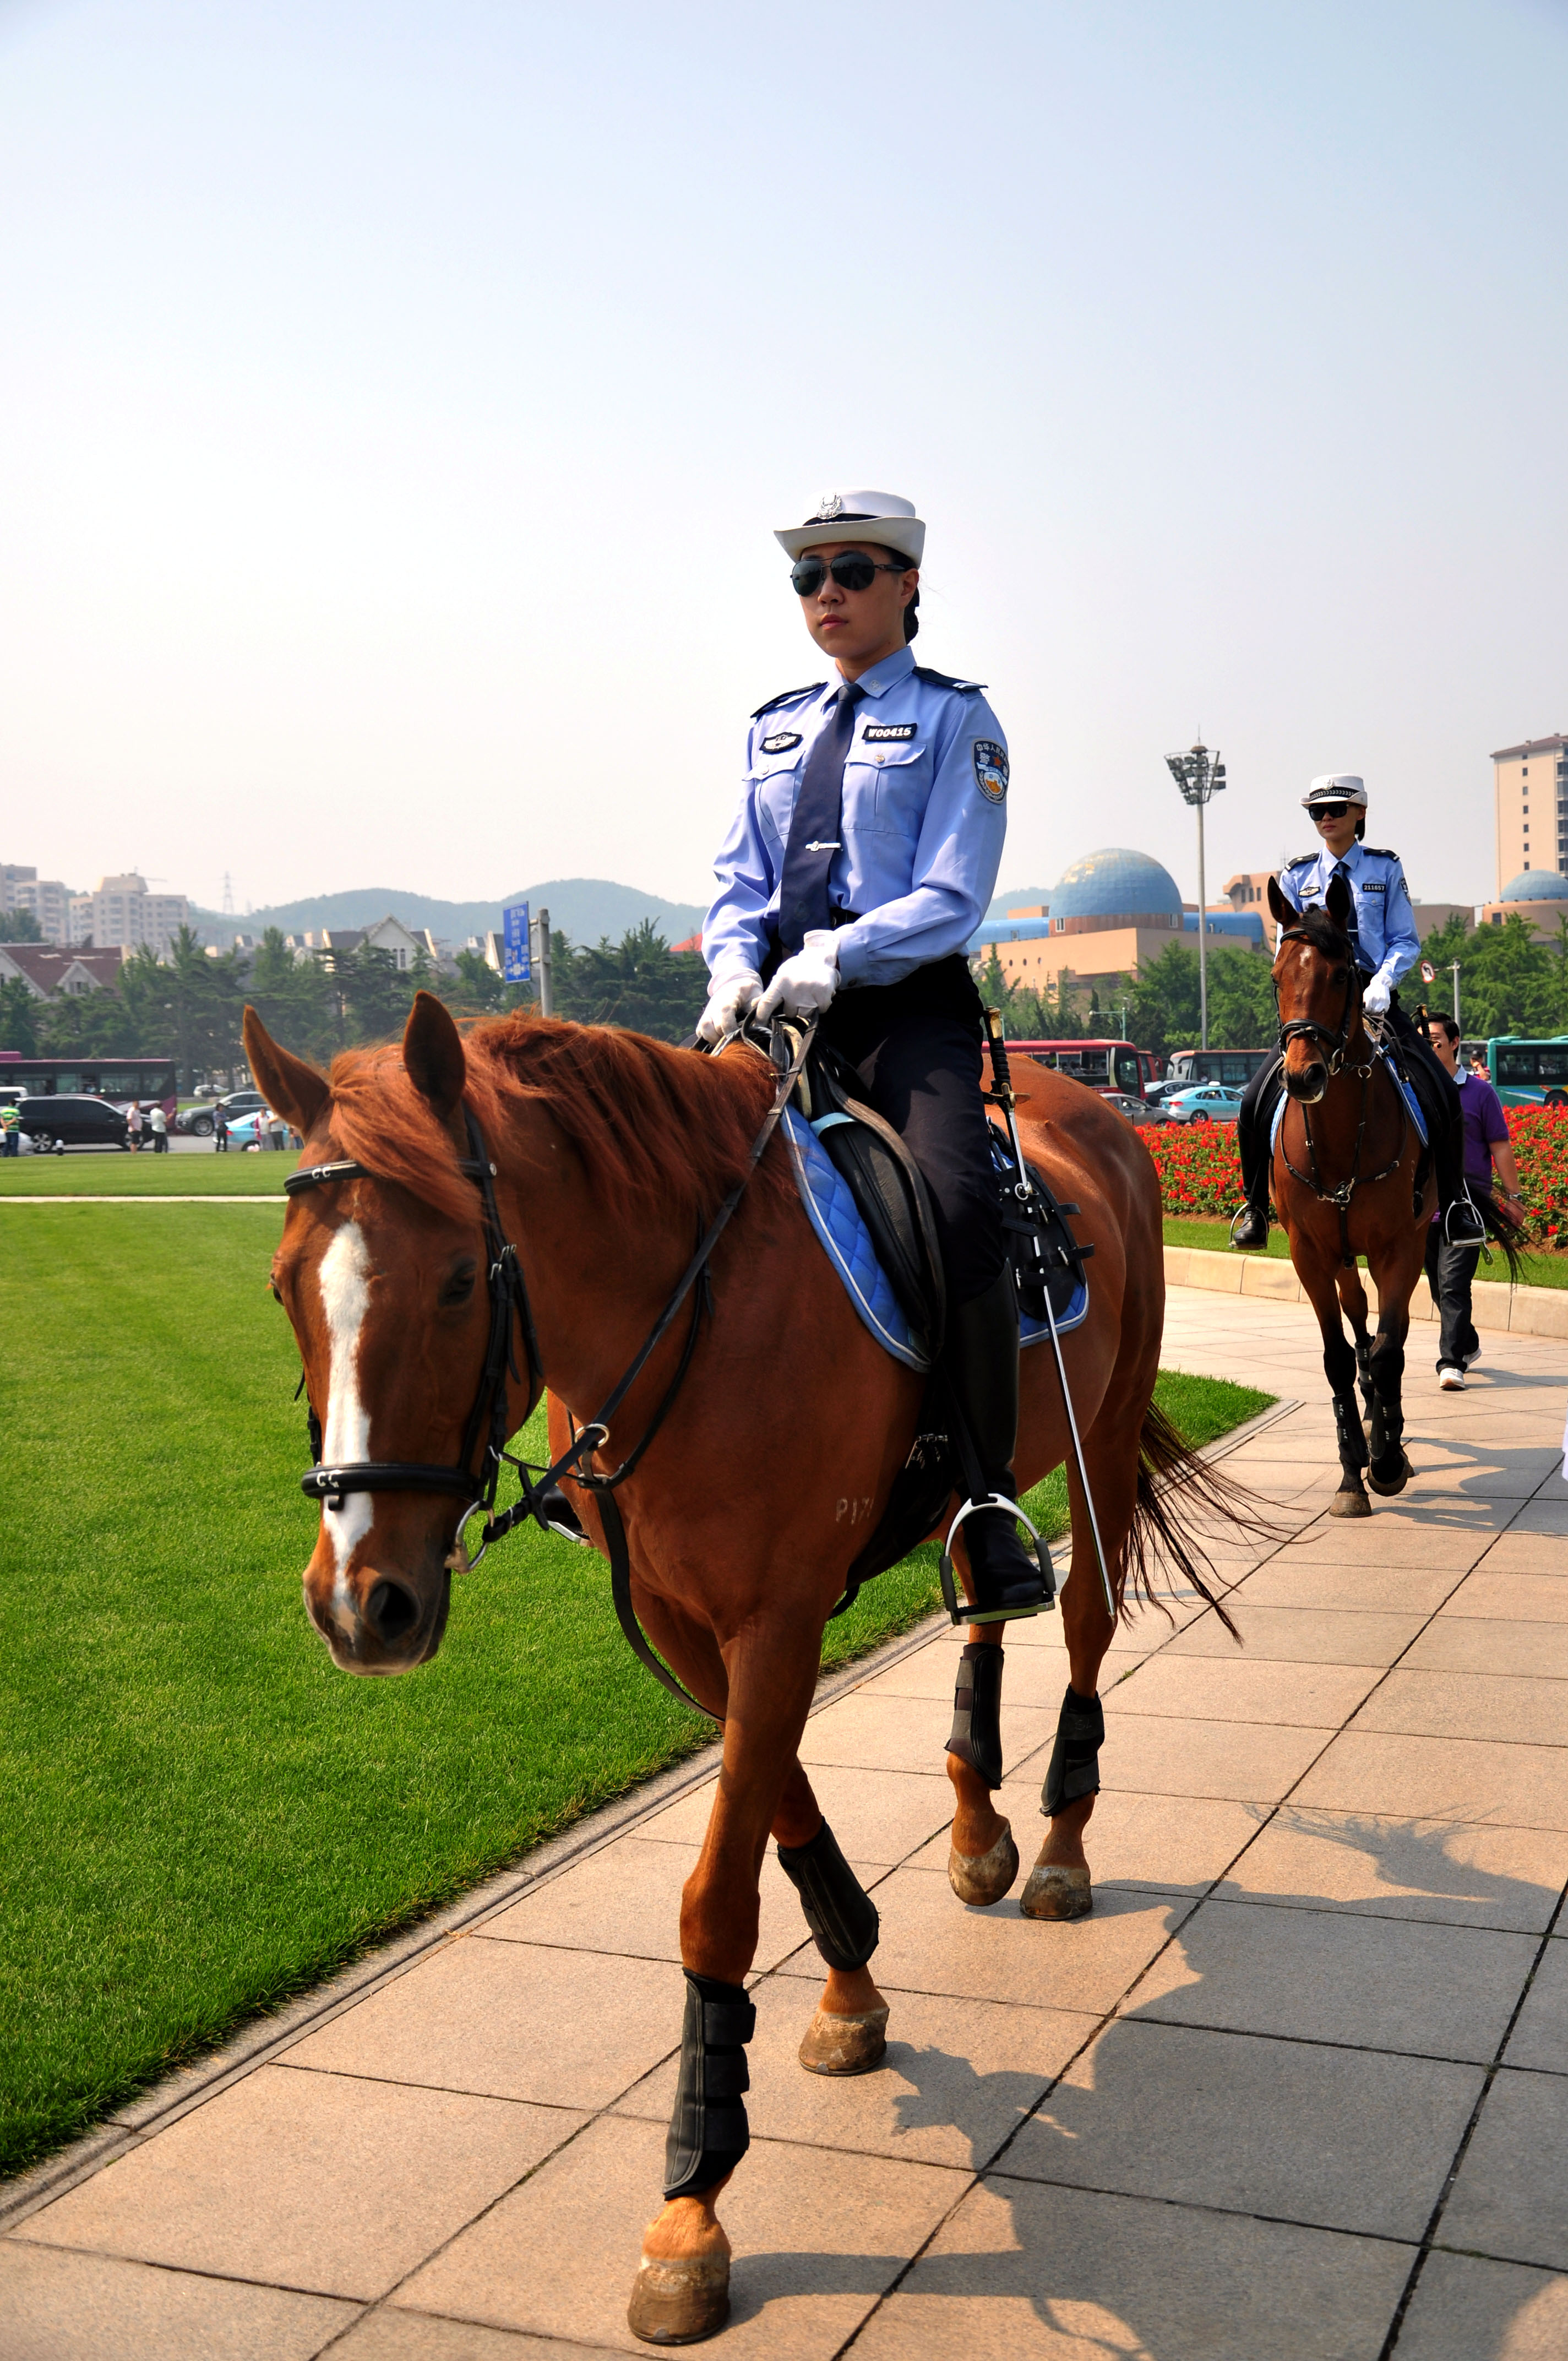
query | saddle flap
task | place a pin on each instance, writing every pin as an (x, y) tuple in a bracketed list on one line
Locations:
[(889, 1190)]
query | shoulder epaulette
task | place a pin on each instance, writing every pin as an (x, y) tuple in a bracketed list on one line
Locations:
[(788, 697), (1299, 859), (946, 680), (1380, 852)]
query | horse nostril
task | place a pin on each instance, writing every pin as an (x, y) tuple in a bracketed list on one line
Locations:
[(391, 1611)]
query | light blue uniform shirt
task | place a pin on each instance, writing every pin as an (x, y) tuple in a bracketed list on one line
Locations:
[(925, 814), (1389, 943)]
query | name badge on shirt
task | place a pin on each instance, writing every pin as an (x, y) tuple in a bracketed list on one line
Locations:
[(884, 733), (781, 741), (990, 769), (1374, 886)]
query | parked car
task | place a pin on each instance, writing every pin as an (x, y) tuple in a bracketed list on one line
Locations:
[(61, 1120), (235, 1102), (262, 1124), (199, 1121), (1207, 1102), (1137, 1111)]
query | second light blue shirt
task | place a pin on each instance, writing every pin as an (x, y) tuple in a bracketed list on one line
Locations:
[(1387, 924), (924, 816)]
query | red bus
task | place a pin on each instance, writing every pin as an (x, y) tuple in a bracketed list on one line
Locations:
[(1104, 1065)]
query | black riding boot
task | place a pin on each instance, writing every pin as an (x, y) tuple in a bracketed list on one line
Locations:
[(1459, 1223), (982, 1367), (1249, 1230)]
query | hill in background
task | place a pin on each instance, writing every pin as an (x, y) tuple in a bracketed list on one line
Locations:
[(582, 908)]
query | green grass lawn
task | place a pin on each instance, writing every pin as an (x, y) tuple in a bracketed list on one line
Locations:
[(203, 1816), (1535, 1269), (104, 1172)]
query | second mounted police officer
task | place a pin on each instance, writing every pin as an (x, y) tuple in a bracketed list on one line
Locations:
[(1385, 945), (860, 862)]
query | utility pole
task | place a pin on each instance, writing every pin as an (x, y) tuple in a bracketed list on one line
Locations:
[(1455, 965), (545, 966), (1200, 774)]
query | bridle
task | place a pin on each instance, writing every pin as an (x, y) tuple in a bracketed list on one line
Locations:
[(1306, 1028), (490, 1418), (1303, 1029)]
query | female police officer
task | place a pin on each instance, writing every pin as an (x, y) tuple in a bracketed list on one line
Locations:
[(859, 863), (1385, 942)]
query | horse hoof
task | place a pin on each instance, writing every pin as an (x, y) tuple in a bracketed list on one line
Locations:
[(845, 2045), (679, 2301), (980, 1879), (1386, 1491), (1056, 1892), (1350, 1504)]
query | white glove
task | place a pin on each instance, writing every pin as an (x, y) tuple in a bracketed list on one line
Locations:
[(804, 984), (728, 1004), (1375, 999)]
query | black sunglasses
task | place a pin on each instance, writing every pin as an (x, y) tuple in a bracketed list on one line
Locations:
[(1330, 811), (849, 570)]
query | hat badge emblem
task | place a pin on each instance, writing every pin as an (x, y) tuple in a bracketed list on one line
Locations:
[(832, 505)]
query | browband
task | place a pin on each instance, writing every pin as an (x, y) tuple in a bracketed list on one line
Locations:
[(315, 1176)]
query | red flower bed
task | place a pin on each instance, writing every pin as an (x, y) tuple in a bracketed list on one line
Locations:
[(1200, 1173)]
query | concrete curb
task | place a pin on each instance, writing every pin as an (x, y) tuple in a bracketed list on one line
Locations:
[(1526, 1310)]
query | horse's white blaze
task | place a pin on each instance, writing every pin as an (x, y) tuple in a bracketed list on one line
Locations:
[(343, 1278)]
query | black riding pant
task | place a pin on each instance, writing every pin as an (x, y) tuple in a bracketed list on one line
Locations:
[(1436, 1091), (917, 1049)]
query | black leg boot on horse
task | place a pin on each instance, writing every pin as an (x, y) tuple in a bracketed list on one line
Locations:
[(981, 1367), (1255, 1121)]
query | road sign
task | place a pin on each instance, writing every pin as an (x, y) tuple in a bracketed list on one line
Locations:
[(519, 964), (1429, 972)]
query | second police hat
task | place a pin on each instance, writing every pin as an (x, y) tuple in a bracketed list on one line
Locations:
[(839, 514), (1335, 787)]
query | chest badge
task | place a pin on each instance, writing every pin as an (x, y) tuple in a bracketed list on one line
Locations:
[(887, 734), (990, 769), (781, 741)]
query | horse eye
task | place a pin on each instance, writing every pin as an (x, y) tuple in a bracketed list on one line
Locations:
[(459, 1289)]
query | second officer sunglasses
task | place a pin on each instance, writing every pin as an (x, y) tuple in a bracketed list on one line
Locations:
[(1331, 811), (849, 570)]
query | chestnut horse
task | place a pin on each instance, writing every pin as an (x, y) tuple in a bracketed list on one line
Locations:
[(608, 1154), (1345, 1179)]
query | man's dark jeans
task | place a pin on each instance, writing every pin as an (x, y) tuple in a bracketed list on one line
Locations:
[(1450, 1271)]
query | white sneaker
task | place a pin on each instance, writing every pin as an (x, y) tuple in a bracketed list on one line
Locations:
[(1449, 1379)]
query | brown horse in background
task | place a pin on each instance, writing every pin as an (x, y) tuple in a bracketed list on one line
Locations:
[(1345, 1179), (609, 1153)]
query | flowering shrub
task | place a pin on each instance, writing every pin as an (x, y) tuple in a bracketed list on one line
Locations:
[(1540, 1137), (1200, 1170)]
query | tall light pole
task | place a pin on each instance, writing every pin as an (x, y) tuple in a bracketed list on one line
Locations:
[(1200, 774)]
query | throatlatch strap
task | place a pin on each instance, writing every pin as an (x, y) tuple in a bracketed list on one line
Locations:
[(709, 2131), (1075, 1758), (977, 1710), (842, 1916)]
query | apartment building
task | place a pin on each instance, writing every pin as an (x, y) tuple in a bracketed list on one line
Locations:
[(121, 911), (1530, 784), (44, 898)]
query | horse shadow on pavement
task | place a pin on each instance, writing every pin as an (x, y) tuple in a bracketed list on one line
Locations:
[(1242, 2162)]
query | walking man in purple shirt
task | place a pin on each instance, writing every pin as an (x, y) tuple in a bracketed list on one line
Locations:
[(1450, 1269)]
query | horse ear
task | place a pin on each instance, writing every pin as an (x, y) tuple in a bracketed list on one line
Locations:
[(1339, 902), (434, 1054), (1284, 915), (296, 1090)]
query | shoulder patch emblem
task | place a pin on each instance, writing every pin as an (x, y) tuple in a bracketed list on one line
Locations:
[(990, 769), (884, 733), (781, 741)]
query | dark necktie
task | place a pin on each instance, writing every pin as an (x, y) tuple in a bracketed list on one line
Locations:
[(1351, 927), (814, 832)]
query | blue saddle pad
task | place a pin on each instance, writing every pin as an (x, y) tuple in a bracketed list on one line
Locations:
[(845, 1241), (1401, 1084)]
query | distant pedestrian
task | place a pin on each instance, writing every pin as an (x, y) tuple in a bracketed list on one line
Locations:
[(221, 1133), (10, 1128), (133, 1127), (1478, 1064), (1450, 1269), (279, 1129), (157, 1123)]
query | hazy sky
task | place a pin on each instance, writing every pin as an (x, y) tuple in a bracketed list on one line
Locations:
[(397, 402)]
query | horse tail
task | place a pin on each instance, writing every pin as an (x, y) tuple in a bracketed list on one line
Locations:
[(1173, 1481), (1499, 1232)]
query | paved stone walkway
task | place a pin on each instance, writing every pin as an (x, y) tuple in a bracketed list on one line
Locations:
[(1299, 2086)]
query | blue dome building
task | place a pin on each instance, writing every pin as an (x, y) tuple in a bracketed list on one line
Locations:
[(1536, 886), (1129, 889)]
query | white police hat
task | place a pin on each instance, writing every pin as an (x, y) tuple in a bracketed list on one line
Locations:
[(1335, 787), (839, 514)]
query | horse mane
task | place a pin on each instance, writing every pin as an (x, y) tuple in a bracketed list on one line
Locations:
[(1321, 932), (652, 1123)]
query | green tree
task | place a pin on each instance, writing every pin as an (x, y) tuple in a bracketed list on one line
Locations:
[(373, 996), (1165, 1010), (189, 1006), (294, 998), (18, 1016), (1509, 981), (639, 983), (19, 927)]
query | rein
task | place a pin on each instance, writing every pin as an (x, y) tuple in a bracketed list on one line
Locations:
[(508, 1292), (1304, 1028)]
